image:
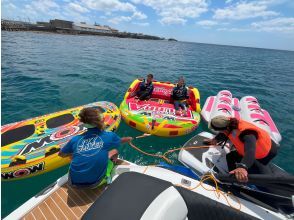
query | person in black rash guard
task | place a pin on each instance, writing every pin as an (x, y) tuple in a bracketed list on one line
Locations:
[(180, 96), (238, 164), (146, 88)]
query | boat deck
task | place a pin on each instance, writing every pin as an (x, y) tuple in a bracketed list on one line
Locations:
[(67, 202)]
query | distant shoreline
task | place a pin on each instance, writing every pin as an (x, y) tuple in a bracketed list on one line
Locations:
[(67, 27), (81, 34), (189, 42), (118, 35)]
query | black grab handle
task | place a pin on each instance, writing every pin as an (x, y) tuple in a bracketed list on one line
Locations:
[(258, 178)]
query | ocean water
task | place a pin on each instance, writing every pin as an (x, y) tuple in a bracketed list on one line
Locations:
[(44, 73)]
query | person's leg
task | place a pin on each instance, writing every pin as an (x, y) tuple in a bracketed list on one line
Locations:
[(107, 179), (144, 95), (138, 94), (177, 106), (110, 166), (183, 107), (113, 155), (259, 168)]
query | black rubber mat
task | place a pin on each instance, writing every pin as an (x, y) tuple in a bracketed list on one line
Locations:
[(127, 197), (59, 120), (17, 134), (196, 141)]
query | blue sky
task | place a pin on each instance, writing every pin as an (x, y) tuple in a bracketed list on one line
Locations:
[(255, 23)]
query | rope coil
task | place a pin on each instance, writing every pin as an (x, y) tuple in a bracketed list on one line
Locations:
[(164, 155), (216, 190)]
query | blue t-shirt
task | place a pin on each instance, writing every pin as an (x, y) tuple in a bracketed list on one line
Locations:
[(90, 155)]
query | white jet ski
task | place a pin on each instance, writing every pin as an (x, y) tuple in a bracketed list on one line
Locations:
[(273, 190)]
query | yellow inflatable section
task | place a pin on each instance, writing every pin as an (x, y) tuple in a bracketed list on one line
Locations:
[(30, 147)]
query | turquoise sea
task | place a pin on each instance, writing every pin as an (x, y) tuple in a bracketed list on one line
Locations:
[(44, 73)]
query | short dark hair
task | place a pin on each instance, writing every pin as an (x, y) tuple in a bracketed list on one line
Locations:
[(150, 75)]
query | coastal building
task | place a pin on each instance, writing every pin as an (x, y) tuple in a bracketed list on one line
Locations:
[(43, 24), (61, 24), (69, 27), (93, 28)]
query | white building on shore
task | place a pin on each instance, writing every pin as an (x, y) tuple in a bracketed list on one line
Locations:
[(93, 28)]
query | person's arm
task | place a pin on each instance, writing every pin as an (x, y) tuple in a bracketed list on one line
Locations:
[(249, 140), (125, 139), (116, 141), (66, 150), (151, 89), (249, 150), (173, 93), (186, 93), (142, 85), (220, 137)]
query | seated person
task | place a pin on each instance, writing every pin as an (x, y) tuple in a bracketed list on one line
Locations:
[(180, 96), (254, 148), (146, 88), (91, 150)]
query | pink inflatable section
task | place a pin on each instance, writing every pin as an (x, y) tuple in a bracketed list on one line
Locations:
[(247, 108)]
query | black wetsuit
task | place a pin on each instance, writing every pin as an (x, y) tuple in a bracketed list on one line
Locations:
[(145, 90), (179, 94)]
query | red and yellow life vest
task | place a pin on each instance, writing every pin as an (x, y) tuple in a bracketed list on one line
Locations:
[(263, 142)]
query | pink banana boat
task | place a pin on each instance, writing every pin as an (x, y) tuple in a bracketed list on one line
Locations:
[(247, 108)]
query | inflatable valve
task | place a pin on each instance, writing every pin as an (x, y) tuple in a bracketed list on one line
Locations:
[(17, 160), (236, 108), (52, 150)]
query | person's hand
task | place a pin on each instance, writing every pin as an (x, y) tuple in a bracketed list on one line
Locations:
[(209, 142), (241, 174), (141, 78), (129, 139), (126, 139)]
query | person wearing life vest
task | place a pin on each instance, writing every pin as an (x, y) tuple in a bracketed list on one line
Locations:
[(254, 148), (180, 96), (146, 88)]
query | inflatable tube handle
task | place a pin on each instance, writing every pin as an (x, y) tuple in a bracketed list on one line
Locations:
[(52, 150)]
